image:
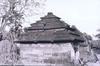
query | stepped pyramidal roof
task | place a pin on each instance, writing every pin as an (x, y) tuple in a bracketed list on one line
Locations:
[(50, 29)]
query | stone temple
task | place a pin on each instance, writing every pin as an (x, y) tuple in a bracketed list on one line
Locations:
[(49, 42)]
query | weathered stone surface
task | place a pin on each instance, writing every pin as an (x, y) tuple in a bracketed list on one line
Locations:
[(47, 54), (87, 54), (96, 46)]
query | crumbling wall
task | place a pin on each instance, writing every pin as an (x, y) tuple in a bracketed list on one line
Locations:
[(47, 54)]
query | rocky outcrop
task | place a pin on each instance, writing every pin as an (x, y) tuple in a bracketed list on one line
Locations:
[(86, 51), (96, 46)]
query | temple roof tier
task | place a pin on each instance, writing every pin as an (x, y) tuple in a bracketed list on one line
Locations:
[(50, 29)]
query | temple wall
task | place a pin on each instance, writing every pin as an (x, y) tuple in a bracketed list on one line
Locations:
[(47, 54)]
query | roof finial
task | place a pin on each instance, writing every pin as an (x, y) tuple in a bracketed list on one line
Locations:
[(49, 13)]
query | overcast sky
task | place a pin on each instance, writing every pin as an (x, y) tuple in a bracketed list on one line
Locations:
[(84, 14)]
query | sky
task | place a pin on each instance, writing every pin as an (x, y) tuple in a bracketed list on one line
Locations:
[(84, 14)]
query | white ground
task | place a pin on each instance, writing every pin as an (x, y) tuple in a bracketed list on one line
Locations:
[(95, 64)]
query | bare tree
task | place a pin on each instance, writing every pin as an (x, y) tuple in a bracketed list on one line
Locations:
[(12, 14), (14, 11)]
